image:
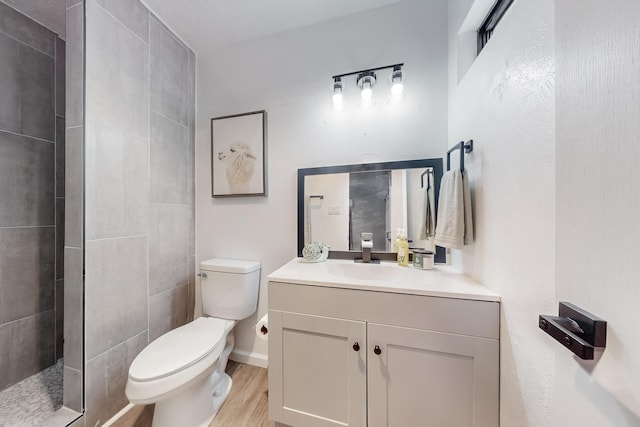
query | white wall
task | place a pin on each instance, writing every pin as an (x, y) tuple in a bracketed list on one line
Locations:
[(597, 204), (554, 208), (505, 103), (289, 75)]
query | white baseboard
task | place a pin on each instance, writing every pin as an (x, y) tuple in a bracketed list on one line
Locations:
[(255, 359), (119, 415)]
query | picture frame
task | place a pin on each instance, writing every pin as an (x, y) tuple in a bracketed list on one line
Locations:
[(238, 155)]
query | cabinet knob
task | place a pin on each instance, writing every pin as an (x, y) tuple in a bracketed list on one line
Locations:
[(377, 350), (356, 346)]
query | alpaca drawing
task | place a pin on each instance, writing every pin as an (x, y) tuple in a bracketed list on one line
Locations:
[(241, 164)]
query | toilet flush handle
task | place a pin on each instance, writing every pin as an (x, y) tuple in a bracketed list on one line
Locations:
[(203, 275)]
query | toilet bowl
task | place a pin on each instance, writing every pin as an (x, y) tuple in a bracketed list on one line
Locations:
[(183, 371)]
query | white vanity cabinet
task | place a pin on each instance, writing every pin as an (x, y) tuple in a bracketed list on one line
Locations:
[(350, 357), (322, 380)]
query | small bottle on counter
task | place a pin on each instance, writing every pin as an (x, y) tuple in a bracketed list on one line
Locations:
[(403, 248), (423, 259), (399, 232)]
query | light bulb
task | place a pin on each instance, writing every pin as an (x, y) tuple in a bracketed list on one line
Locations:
[(397, 88), (397, 85), (337, 98), (366, 92), (366, 81)]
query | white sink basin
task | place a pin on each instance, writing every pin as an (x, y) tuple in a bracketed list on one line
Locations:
[(442, 281)]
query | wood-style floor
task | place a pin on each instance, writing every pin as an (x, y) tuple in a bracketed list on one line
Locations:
[(246, 405)]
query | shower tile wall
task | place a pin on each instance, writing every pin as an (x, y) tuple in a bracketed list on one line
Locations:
[(32, 123), (139, 237), (73, 221)]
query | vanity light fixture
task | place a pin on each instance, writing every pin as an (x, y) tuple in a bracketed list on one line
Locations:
[(366, 80)]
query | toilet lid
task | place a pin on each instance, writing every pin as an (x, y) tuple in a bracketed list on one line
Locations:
[(221, 265), (178, 349)]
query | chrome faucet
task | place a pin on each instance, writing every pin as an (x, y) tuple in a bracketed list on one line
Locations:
[(366, 242)]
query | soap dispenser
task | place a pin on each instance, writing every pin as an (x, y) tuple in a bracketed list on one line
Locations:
[(402, 248), (399, 232)]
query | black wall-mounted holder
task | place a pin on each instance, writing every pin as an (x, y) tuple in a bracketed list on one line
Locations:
[(577, 329), (465, 148)]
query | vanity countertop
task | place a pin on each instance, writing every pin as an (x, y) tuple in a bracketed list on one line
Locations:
[(442, 281)]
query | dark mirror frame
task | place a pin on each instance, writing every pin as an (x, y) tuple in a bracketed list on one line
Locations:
[(436, 164)]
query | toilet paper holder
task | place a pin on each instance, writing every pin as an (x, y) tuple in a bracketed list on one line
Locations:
[(262, 328), (575, 328)]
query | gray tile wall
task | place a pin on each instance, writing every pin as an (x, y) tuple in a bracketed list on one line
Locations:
[(116, 294), (139, 234), (72, 192), (32, 104), (192, 185), (60, 106), (171, 227)]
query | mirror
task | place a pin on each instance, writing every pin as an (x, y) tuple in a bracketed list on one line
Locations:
[(337, 203)]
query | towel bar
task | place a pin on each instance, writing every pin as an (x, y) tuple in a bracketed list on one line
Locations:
[(467, 146), (427, 171)]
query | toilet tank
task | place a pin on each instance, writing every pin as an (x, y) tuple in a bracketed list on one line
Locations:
[(229, 287)]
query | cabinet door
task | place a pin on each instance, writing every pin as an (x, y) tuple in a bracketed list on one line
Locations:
[(431, 379), (316, 377)]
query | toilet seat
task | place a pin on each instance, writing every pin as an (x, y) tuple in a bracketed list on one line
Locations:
[(175, 359), (178, 349)]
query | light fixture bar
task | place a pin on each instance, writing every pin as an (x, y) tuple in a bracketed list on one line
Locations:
[(367, 69)]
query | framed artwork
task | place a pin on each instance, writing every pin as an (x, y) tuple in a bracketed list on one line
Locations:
[(238, 155)]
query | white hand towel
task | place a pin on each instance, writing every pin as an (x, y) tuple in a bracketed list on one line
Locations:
[(429, 219), (450, 224), (468, 218)]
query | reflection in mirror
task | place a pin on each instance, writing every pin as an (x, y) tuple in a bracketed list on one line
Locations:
[(336, 204)]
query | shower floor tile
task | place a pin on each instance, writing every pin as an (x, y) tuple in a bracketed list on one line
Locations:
[(32, 399)]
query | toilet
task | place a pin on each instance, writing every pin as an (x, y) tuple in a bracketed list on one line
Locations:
[(183, 371)]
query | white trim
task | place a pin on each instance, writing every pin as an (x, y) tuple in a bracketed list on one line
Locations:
[(476, 15), (254, 359), (467, 37), (119, 415)]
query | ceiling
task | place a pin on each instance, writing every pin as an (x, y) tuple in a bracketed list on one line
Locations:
[(212, 24)]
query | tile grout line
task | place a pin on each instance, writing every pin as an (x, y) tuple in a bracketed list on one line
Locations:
[(35, 138), (27, 226), (135, 236), (53, 35), (172, 120), (27, 317)]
